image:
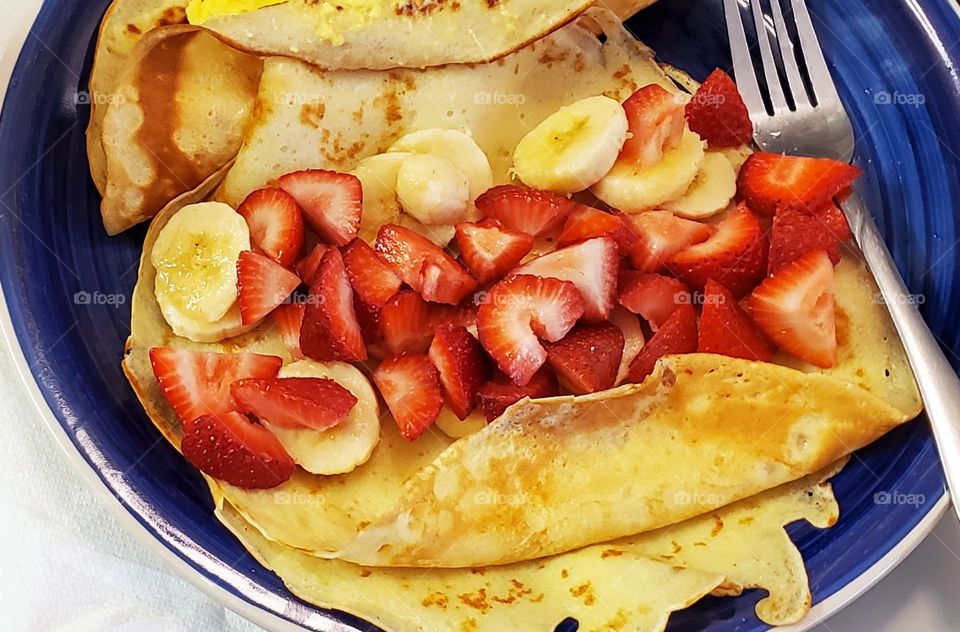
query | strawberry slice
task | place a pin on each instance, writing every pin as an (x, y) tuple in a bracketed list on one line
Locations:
[(656, 121), (771, 181), (588, 358), (228, 447), (330, 329), (591, 266), (262, 285), (462, 365), (372, 280), (490, 251), (660, 235), (718, 114), (517, 313), (406, 323), (275, 222), (308, 266), (410, 385), (289, 319), (294, 402), (795, 309), (726, 329), (198, 383), (523, 209), (423, 265), (332, 202), (795, 233), (735, 255), (835, 220), (496, 396), (653, 296), (586, 222), (677, 335)]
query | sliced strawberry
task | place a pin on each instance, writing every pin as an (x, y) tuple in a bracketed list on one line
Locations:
[(490, 251), (275, 222), (496, 396), (294, 402), (262, 284), (308, 266), (373, 281), (677, 335), (653, 296), (197, 383), (410, 385), (289, 319), (332, 202), (423, 265), (633, 339), (735, 255), (406, 323), (591, 266), (726, 329), (795, 309), (588, 358), (835, 221), (795, 233), (462, 365), (717, 113), (330, 329), (586, 222), (660, 235), (228, 447), (771, 181), (523, 209), (463, 315), (656, 122)]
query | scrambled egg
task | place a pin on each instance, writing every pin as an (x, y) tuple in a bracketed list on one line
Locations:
[(199, 11)]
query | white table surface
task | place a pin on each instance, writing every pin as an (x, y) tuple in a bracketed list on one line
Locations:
[(68, 566)]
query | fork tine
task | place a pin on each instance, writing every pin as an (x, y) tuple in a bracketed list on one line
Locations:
[(794, 79), (823, 86), (742, 62), (774, 89)]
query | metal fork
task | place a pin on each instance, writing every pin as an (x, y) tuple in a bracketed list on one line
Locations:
[(808, 118)]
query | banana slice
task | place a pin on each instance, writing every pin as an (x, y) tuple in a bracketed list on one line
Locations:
[(433, 190), (574, 147), (632, 189), (711, 191), (195, 256), (378, 177), (453, 427), (345, 447), (737, 155)]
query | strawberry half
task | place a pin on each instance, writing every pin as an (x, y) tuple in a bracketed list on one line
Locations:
[(587, 359), (294, 402), (490, 251), (717, 113), (289, 320), (726, 329), (275, 222), (735, 255), (262, 285), (410, 385), (517, 313), (660, 235), (406, 323), (423, 265), (795, 308), (771, 181), (496, 396), (330, 329), (656, 121), (228, 447), (795, 233), (653, 296), (677, 335), (586, 222), (198, 383), (523, 209), (332, 202), (308, 266), (462, 365), (372, 280)]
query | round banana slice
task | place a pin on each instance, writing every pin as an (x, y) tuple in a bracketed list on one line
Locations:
[(711, 191), (433, 190), (574, 147), (455, 428), (634, 189), (227, 327), (346, 446), (457, 147), (378, 177)]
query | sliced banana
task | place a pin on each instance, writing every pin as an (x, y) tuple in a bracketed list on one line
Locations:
[(195, 257), (433, 190), (440, 235), (378, 177), (457, 147), (737, 155), (710, 192), (346, 446), (632, 189), (573, 147), (453, 427)]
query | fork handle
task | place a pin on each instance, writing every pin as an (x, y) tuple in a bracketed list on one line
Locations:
[(938, 382)]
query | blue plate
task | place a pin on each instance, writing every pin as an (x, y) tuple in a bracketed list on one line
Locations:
[(67, 286)]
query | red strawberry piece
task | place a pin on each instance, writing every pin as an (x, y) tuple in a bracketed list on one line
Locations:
[(735, 255), (726, 329), (423, 265), (660, 235), (653, 296), (835, 220), (490, 251), (289, 319), (633, 339), (406, 323), (795, 233), (677, 335), (198, 383), (275, 222), (228, 447), (373, 281), (308, 266), (330, 329), (294, 402), (523, 209), (591, 266), (332, 202), (463, 315), (717, 113), (496, 396), (795, 308), (588, 358), (586, 222), (462, 365), (656, 122), (410, 385), (771, 181), (520, 311), (262, 284)]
